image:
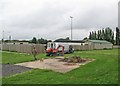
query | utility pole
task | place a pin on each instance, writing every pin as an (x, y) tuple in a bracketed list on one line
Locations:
[(71, 27), (119, 14), (3, 37), (38, 39), (10, 38)]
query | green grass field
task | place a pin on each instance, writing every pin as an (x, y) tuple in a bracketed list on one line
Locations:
[(13, 57), (104, 70)]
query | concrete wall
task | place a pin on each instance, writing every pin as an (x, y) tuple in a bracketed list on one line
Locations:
[(103, 46), (83, 47), (93, 46), (23, 48), (116, 47), (27, 48)]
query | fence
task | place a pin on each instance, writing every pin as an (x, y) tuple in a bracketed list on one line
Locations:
[(83, 47), (23, 48), (92, 46), (27, 48), (116, 46)]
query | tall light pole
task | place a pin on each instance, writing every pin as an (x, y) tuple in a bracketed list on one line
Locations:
[(119, 14), (71, 27), (3, 37), (9, 36), (38, 39)]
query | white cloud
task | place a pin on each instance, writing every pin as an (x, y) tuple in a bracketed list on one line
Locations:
[(50, 18)]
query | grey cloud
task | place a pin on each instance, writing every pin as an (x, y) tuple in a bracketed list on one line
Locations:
[(51, 19), (49, 16), (96, 18)]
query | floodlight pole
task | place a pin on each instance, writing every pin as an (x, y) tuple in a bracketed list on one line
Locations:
[(3, 37), (71, 27), (38, 39)]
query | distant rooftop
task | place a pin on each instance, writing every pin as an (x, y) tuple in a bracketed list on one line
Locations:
[(82, 41), (98, 41), (70, 41)]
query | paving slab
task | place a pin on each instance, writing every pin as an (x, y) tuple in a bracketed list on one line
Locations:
[(53, 64)]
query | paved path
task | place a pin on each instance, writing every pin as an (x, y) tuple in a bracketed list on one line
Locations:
[(8, 69)]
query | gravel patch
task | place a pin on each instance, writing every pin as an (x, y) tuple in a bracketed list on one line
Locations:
[(8, 69)]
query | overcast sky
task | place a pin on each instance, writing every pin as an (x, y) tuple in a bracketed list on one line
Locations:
[(50, 19)]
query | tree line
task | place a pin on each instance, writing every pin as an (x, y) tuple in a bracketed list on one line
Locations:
[(103, 34), (38, 41), (117, 36), (106, 34), (44, 41)]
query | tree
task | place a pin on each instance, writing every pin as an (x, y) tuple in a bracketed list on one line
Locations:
[(112, 41), (90, 36), (103, 34), (108, 35), (62, 39), (95, 35), (85, 38), (67, 38), (34, 40), (117, 36), (42, 41), (98, 35)]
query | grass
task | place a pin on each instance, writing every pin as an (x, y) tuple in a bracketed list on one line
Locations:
[(104, 70), (0, 81), (13, 57)]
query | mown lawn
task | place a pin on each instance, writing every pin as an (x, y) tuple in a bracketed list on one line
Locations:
[(13, 57), (104, 70)]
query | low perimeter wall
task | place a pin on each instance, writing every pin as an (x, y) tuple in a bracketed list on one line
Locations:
[(27, 48), (23, 48)]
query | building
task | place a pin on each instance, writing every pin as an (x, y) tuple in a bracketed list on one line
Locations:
[(88, 44), (100, 44), (71, 42), (17, 43)]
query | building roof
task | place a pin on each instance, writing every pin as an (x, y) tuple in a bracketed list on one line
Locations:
[(70, 41), (99, 41)]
